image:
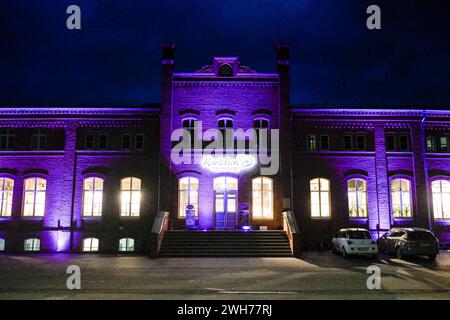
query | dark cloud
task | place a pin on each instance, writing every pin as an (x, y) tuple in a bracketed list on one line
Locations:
[(114, 59)]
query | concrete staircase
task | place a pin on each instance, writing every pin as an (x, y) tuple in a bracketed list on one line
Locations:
[(225, 244)]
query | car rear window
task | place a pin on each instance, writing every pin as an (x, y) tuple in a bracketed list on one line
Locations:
[(359, 235), (420, 235)]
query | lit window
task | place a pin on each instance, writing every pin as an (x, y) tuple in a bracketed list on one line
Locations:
[(357, 198), (361, 142), (311, 143), (262, 198), (93, 197), (33, 244), (126, 245), (126, 141), (324, 142), (348, 142), (102, 141), (89, 141), (34, 200), (320, 198), (401, 198), (431, 144), (390, 143), (444, 144), (139, 142), (441, 199), (2, 244), (6, 196), (7, 139), (188, 194), (404, 143), (39, 139), (90, 245), (131, 197)]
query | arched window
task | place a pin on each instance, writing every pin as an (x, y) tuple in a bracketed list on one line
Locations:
[(90, 245), (34, 198), (225, 123), (189, 123), (126, 245), (320, 198), (311, 142), (188, 194), (225, 70), (6, 196), (441, 199), (260, 123), (2, 244), (401, 198), (32, 244), (131, 197), (262, 198), (357, 198), (92, 197)]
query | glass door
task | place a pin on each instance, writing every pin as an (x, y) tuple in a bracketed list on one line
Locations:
[(225, 199)]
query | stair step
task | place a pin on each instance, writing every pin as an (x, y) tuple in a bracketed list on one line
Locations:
[(225, 244)]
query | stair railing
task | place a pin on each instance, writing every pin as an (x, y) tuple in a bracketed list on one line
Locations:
[(160, 226), (292, 231)]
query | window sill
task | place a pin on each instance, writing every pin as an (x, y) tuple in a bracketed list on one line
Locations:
[(91, 218), (5, 218), (359, 219), (32, 218), (404, 219), (321, 218), (262, 218)]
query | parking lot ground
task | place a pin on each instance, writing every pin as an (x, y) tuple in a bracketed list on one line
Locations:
[(317, 275)]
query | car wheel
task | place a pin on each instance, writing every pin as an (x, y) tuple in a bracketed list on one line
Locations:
[(344, 253), (399, 253), (432, 257)]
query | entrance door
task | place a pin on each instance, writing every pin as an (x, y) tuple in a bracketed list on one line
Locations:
[(225, 200)]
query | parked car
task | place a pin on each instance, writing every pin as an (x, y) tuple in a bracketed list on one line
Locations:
[(354, 241), (409, 242)]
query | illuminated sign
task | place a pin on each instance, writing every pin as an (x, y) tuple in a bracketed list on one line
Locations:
[(228, 164)]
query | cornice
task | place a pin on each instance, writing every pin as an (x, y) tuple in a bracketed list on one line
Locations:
[(201, 83), (385, 113), (77, 111)]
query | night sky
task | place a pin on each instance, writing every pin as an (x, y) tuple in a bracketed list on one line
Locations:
[(335, 59)]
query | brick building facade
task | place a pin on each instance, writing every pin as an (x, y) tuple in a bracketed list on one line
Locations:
[(93, 178)]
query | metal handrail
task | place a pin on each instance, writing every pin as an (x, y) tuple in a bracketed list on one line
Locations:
[(160, 226), (292, 231)]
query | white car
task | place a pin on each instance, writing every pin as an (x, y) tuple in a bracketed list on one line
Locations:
[(354, 241)]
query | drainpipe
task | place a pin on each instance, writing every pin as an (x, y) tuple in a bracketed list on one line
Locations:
[(424, 154)]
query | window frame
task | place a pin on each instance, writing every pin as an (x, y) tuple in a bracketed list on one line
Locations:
[(35, 192), (442, 208), (127, 239), (347, 135), (401, 191), (262, 192), (432, 146), (140, 135), (35, 245), (40, 135), (319, 191), (364, 136), (9, 136), (99, 145), (86, 135), (327, 139), (130, 193), (122, 143), (9, 205), (182, 211), (92, 241), (357, 192), (313, 138), (95, 177)]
